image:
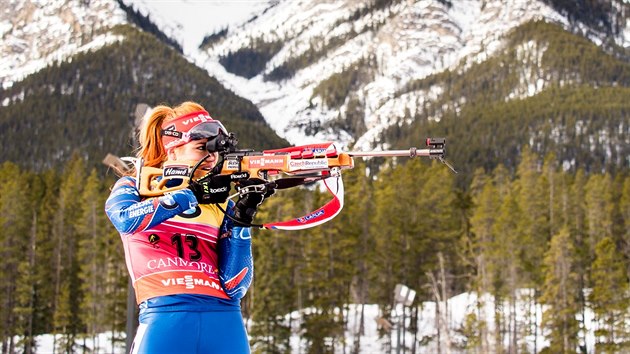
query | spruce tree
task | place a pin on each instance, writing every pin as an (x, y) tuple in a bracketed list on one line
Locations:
[(610, 298), (599, 209), (534, 218), (15, 222), (575, 216), (320, 324), (506, 270), (67, 293), (46, 205), (27, 279), (561, 294), (353, 225), (273, 295), (624, 208), (91, 256), (482, 222)]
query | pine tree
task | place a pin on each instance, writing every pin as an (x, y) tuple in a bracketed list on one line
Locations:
[(624, 208), (353, 224), (575, 216), (506, 270), (92, 257), (273, 295), (45, 204), (386, 229), (599, 209), (116, 284), (556, 197), (14, 249), (320, 323), (27, 277), (610, 298), (490, 223), (561, 293), (482, 227), (533, 220), (533, 231), (67, 293)]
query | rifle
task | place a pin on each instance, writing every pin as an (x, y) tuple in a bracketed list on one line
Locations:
[(285, 168)]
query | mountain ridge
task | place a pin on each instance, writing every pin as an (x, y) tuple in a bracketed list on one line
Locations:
[(355, 72), (425, 37), (85, 104)]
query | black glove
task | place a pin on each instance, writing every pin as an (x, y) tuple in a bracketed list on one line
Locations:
[(211, 189), (252, 193)]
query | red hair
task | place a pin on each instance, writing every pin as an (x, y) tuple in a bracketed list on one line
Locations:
[(151, 147)]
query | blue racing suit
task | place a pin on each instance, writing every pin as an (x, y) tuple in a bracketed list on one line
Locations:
[(189, 265)]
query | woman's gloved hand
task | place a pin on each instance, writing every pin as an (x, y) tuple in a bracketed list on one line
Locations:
[(252, 192), (211, 189)]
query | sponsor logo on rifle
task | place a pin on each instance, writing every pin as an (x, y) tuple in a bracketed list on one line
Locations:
[(175, 171), (314, 164), (266, 161), (312, 216), (233, 165)]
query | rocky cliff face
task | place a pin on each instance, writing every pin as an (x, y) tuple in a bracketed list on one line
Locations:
[(38, 33), (384, 44)]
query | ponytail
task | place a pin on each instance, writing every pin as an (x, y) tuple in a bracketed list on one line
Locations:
[(151, 149)]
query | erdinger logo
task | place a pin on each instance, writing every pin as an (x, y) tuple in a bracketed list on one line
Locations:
[(175, 171), (315, 215)]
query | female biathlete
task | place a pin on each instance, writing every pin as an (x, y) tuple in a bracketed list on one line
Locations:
[(189, 263)]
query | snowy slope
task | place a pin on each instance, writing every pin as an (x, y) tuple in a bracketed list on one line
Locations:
[(189, 21), (452, 313), (408, 40), (411, 40), (37, 33)]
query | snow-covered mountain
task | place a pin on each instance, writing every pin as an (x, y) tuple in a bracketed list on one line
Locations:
[(407, 40), (38, 33), (390, 42)]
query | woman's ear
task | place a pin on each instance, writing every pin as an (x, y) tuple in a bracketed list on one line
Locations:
[(172, 155)]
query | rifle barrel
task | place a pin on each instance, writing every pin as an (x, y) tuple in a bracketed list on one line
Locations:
[(413, 152)]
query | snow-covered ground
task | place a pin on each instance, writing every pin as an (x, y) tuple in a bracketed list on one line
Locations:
[(454, 313)]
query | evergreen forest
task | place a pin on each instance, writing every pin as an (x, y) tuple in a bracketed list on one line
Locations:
[(564, 236)]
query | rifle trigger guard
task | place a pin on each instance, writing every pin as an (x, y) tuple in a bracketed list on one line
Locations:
[(254, 188)]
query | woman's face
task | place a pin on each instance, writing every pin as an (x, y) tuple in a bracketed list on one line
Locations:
[(193, 152)]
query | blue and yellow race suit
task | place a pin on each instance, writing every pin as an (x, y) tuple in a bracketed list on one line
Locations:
[(189, 265)]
